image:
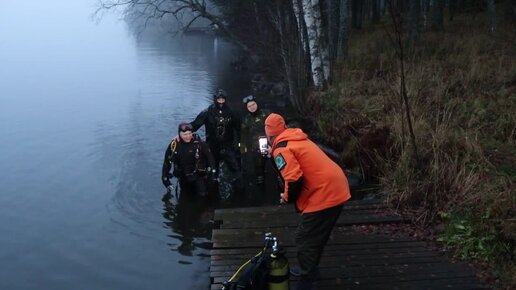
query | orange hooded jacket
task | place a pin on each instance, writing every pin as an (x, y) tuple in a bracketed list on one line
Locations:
[(323, 183)]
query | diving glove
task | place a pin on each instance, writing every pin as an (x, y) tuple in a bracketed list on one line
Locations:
[(166, 181), (170, 188)]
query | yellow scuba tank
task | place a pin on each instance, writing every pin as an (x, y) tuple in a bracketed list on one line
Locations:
[(279, 270)]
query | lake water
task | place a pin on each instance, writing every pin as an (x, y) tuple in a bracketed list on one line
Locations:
[(86, 113)]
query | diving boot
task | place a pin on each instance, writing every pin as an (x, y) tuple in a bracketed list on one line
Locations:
[(296, 272)]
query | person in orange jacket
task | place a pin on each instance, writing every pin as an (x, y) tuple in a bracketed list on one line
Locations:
[(315, 184)]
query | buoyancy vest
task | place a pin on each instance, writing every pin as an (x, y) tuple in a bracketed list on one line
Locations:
[(180, 162), (219, 123)]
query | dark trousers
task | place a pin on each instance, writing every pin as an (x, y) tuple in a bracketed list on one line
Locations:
[(227, 153), (253, 164), (194, 185), (312, 235)]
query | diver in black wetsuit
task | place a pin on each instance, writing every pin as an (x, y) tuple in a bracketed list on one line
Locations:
[(193, 162)]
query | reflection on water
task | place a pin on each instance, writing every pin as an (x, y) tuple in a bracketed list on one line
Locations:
[(190, 219), (86, 113)]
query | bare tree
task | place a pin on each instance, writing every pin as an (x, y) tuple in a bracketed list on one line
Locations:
[(342, 47), (415, 10), (331, 10), (357, 13), (491, 15), (179, 9), (283, 18), (438, 15), (375, 18), (397, 42), (510, 13), (452, 8), (426, 11)]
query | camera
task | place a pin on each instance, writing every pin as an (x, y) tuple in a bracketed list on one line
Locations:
[(263, 145)]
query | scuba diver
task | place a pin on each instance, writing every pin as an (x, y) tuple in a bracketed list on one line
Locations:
[(222, 131), (193, 162), (253, 141)]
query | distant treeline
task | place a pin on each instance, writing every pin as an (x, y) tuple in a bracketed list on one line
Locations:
[(305, 40)]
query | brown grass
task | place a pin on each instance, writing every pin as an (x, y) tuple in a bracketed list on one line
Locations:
[(462, 90)]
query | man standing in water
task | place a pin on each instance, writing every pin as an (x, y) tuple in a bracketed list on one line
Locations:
[(252, 130), (222, 131), (315, 184), (192, 160)]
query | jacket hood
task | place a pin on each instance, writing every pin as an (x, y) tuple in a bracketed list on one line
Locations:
[(290, 134)]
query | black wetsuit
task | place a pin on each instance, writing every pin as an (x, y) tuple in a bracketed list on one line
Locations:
[(222, 133), (191, 161), (253, 161)]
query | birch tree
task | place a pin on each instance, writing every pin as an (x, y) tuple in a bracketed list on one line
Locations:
[(319, 56)]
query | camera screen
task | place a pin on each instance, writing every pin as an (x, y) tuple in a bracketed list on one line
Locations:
[(263, 144)]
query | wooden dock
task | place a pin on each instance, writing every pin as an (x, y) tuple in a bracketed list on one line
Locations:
[(351, 260)]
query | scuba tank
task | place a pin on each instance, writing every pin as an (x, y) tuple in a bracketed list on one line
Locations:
[(263, 271), (278, 268)]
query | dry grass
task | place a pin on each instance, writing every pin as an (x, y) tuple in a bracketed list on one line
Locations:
[(462, 90)]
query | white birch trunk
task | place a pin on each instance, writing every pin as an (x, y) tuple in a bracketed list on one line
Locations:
[(312, 17), (322, 38)]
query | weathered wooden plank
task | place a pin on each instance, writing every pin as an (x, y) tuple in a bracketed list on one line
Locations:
[(290, 208), (334, 252), (291, 251), (337, 237), (450, 280), (370, 246), (431, 283), (457, 283), (349, 271), (350, 260), (330, 261), (254, 238), (251, 214), (292, 221)]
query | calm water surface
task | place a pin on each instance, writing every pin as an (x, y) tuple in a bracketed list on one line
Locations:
[(86, 112)]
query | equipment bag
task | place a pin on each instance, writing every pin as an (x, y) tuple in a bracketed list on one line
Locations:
[(253, 275)]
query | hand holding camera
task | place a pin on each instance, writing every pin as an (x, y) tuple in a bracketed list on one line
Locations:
[(263, 144)]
